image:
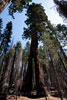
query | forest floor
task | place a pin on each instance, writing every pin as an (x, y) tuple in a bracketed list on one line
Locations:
[(25, 98)]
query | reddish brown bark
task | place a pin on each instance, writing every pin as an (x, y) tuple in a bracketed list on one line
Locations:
[(41, 91), (39, 83), (4, 5)]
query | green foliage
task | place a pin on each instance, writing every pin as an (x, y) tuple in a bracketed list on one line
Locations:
[(6, 38), (18, 53), (51, 43), (27, 47), (19, 45), (17, 6), (12, 52), (42, 55), (26, 52), (36, 21), (25, 56), (50, 28), (62, 33)]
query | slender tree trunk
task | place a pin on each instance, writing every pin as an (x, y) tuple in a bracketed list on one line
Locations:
[(27, 81), (12, 70), (3, 88), (7, 75), (63, 53), (57, 77)]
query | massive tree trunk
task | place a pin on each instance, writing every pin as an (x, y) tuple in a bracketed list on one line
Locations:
[(41, 91)]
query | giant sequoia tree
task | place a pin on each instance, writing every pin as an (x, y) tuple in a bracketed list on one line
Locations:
[(36, 21)]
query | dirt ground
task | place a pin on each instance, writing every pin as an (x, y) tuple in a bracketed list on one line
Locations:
[(25, 98)]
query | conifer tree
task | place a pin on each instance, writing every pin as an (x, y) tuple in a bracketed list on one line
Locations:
[(6, 38), (55, 63), (17, 6), (17, 66), (36, 21)]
